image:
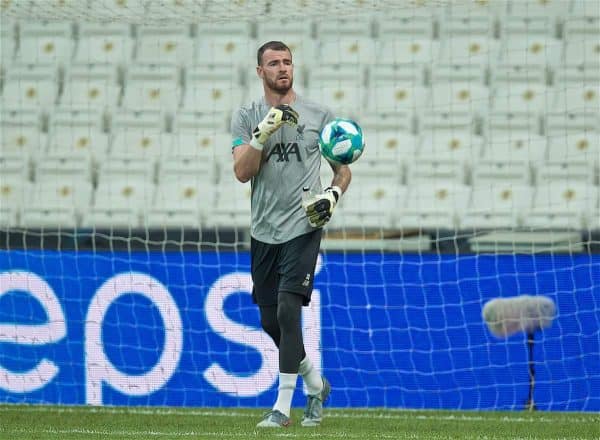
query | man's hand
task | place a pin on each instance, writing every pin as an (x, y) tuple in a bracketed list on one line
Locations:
[(319, 207), (276, 117)]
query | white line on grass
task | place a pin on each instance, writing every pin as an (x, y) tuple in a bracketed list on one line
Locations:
[(391, 414)]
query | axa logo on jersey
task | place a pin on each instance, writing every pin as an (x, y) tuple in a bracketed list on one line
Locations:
[(285, 152)]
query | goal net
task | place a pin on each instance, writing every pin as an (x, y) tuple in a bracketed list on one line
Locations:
[(461, 270)]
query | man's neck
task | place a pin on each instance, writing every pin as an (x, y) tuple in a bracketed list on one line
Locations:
[(275, 99)]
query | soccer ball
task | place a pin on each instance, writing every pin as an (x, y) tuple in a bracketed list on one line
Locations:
[(341, 141)]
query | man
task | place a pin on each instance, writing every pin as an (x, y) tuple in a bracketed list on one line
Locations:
[(275, 145)]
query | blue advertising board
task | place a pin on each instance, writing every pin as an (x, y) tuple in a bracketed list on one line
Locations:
[(391, 330)]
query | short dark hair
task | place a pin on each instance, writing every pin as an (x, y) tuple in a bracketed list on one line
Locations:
[(273, 45)]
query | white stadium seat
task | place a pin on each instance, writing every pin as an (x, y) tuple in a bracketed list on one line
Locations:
[(57, 202), (140, 142), (22, 140), (389, 145), (223, 96), (181, 202), (152, 87), (79, 141), (481, 51), (540, 8), (567, 172), (45, 43), (106, 43), (189, 169), (528, 50), (119, 203), (65, 167), (576, 148), (31, 87), (369, 206), (396, 51), (562, 205), (398, 97), (434, 205), (14, 191), (171, 45), (90, 86), (458, 146), (460, 97), (578, 98), (581, 50), (232, 208), (497, 205), (521, 98), (127, 168), (235, 50), (472, 25), (412, 23)]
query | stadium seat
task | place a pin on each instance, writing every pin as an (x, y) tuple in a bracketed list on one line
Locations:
[(492, 171), (521, 98), (372, 171), (181, 202), (411, 52), (164, 44), (193, 120), (79, 141), (354, 50), (480, 51), (8, 41), (33, 87), (434, 205), (504, 75), (577, 98), (540, 8), (344, 99), (497, 205), (583, 21), (530, 49), (452, 24), (13, 196), (388, 120), (140, 142), (412, 23), (14, 167), (565, 171), (397, 97), (369, 207), (45, 43), (434, 120), (380, 74), (562, 205), (458, 73), (119, 203), (202, 145), (217, 96), (582, 51), (561, 122), (152, 87), (65, 167), (460, 97), (464, 147), (343, 27), (429, 170), (232, 208), (57, 202), (492, 8), (576, 148), (106, 43), (506, 124), (123, 168), (528, 24), (151, 120), (389, 145), (22, 140), (190, 169), (90, 86), (585, 8), (234, 50)]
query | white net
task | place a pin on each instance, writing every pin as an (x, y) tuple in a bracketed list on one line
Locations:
[(124, 269)]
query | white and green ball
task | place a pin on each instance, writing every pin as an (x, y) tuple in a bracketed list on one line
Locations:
[(341, 141)]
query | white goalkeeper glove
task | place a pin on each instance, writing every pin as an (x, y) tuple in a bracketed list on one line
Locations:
[(319, 207), (276, 117)]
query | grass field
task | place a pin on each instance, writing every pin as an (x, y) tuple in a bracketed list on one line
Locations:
[(51, 422)]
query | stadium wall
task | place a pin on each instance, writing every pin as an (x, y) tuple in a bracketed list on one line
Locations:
[(397, 330)]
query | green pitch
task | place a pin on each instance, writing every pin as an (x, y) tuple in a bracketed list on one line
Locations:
[(51, 422)]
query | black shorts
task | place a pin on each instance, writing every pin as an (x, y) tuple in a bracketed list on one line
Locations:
[(284, 267)]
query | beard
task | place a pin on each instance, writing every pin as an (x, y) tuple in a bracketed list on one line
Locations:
[(279, 89)]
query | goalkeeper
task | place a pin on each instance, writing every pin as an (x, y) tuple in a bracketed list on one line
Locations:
[(275, 146)]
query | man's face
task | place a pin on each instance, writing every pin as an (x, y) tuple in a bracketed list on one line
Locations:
[(277, 70)]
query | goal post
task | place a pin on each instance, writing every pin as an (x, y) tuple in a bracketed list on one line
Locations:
[(124, 236)]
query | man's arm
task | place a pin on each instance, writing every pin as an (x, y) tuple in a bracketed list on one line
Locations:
[(341, 177), (248, 157), (246, 162)]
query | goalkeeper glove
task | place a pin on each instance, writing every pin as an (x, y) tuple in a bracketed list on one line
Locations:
[(319, 207), (277, 116)]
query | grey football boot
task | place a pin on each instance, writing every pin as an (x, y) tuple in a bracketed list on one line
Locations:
[(313, 413), (274, 419)]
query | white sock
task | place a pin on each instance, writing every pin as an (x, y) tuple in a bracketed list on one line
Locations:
[(312, 378), (287, 385)]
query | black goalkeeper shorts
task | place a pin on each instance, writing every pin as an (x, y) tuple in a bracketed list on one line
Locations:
[(284, 267)]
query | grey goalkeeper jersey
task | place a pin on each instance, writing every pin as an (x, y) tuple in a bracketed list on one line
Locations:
[(291, 160)]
